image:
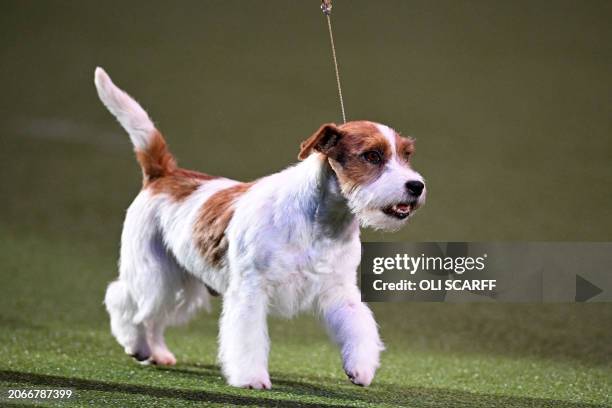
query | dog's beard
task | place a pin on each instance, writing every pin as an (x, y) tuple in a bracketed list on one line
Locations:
[(388, 214)]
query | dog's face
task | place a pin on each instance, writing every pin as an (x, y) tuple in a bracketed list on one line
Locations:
[(372, 163)]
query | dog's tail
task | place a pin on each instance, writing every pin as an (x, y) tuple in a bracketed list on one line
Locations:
[(151, 149)]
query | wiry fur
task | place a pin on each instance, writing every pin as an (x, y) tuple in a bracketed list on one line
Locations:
[(283, 244)]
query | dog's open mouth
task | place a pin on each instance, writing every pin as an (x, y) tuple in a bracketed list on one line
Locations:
[(399, 210)]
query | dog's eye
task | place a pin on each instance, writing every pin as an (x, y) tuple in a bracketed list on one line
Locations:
[(372, 157)]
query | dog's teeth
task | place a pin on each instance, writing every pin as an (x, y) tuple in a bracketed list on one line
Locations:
[(401, 208)]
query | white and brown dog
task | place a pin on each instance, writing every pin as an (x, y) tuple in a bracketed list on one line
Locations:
[(281, 244)]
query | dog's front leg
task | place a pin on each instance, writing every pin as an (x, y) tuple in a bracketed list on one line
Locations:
[(351, 324), (243, 337)]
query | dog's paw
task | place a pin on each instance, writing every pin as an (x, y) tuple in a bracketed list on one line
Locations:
[(140, 357), (259, 385), (361, 376), (258, 382), (164, 357)]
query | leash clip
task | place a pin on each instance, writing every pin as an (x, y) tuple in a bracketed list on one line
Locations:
[(326, 7)]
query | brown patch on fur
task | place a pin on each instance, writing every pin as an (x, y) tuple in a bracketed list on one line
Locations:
[(161, 174), (213, 219), (177, 187), (156, 161), (193, 174), (404, 147), (323, 140), (345, 145), (347, 156), (179, 184)]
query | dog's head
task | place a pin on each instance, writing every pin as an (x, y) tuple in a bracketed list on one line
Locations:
[(372, 164)]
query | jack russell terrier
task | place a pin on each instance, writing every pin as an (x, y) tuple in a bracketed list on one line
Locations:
[(281, 244)]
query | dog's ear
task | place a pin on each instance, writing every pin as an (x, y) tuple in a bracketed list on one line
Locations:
[(323, 140)]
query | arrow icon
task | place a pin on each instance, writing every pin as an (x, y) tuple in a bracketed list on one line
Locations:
[(585, 290)]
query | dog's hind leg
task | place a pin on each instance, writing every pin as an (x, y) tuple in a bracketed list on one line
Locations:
[(166, 296), (187, 295), (122, 309), (153, 291), (160, 354)]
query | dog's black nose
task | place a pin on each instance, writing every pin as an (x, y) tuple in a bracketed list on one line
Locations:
[(415, 187)]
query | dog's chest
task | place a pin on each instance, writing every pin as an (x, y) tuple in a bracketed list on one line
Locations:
[(302, 272)]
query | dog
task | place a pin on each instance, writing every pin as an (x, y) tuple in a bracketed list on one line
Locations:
[(281, 244)]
